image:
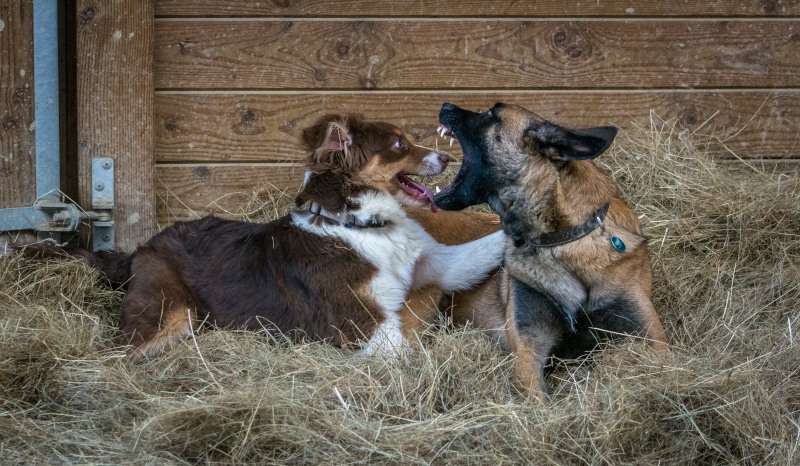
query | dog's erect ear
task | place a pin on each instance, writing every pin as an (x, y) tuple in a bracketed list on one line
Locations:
[(562, 144)]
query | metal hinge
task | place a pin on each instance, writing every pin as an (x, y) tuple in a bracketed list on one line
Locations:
[(47, 217)]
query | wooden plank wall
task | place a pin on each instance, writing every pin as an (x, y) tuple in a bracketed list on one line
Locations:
[(236, 81)]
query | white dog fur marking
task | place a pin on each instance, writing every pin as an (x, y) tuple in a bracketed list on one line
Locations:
[(407, 258)]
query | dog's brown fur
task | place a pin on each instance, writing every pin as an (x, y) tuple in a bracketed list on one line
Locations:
[(338, 275), (559, 300)]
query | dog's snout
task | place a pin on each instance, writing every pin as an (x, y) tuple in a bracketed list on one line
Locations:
[(447, 106), (444, 158)]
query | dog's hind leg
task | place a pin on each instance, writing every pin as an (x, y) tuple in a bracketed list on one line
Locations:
[(420, 311), (534, 328), (614, 317), (650, 326), (158, 310)]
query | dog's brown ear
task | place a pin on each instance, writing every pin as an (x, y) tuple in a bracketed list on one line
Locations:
[(337, 138), (313, 136), (333, 149), (562, 144)]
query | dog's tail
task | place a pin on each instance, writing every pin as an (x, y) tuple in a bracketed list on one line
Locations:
[(115, 266)]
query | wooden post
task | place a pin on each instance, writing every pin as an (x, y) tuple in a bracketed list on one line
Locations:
[(115, 94), (17, 147)]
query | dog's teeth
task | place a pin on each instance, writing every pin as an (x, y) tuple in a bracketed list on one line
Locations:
[(437, 189), (451, 142)]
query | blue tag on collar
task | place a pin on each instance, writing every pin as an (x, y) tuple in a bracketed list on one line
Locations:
[(617, 243)]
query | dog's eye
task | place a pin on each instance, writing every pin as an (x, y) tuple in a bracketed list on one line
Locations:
[(398, 144)]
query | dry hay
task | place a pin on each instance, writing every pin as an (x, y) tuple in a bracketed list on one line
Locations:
[(725, 248)]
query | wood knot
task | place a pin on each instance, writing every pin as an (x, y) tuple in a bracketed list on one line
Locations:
[(248, 116), (367, 83), (20, 96), (574, 51), (282, 3), (571, 45), (170, 126), (203, 173), (320, 76), (769, 6), (87, 15), (688, 120), (342, 50), (8, 122), (246, 126)]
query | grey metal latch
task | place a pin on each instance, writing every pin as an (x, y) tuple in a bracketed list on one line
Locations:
[(49, 216), (103, 203)]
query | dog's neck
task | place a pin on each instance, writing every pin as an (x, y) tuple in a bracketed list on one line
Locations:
[(550, 201), (339, 198), (347, 219), (370, 209)]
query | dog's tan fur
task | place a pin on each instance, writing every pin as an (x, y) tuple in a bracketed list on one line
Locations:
[(558, 299), (477, 306)]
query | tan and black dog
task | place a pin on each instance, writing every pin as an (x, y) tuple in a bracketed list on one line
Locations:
[(577, 263)]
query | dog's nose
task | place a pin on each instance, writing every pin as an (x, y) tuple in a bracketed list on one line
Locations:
[(448, 106), (444, 158)]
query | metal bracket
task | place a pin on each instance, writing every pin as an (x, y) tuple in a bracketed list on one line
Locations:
[(47, 216), (103, 203)]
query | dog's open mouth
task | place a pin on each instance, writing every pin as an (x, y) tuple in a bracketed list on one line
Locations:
[(444, 132), (417, 191)]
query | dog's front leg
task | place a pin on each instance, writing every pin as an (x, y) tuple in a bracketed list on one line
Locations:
[(534, 327), (459, 267)]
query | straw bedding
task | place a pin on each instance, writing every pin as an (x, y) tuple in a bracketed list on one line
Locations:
[(725, 247)]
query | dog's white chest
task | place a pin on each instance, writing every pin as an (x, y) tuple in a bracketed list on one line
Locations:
[(393, 249)]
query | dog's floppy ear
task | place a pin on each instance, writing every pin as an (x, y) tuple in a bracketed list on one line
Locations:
[(337, 138), (314, 136), (330, 144), (562, 144)]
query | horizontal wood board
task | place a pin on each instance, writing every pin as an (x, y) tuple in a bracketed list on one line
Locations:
[(188, 192), (191, 191), (476, 8), (225, 128), (409, 54)]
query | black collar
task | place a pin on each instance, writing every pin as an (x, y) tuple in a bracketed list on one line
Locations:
[(557, 238), (347, 219)]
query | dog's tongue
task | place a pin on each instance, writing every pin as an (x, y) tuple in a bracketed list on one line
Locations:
[(417, 190)]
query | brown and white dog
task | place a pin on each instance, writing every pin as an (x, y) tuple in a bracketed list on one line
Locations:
[(337, 270)]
